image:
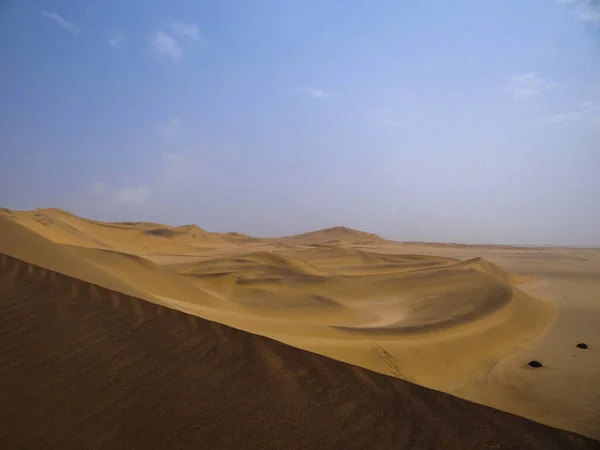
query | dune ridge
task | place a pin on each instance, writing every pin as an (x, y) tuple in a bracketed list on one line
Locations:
[(137, 375)]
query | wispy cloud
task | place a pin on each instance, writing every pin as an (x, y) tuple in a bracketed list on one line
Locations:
[(188, 30), (585, 111), (172, 128), (69, 26), (176, 170), (319, 94), (585, 10), (165, 45), (133, 195), (570, 116), (589, 107), (527, 85), (173, 170), (116, 39)]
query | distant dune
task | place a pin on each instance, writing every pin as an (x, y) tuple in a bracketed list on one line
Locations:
[(332, 235), (451, 321)]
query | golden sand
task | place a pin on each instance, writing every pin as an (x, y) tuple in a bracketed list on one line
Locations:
[(458, 319)]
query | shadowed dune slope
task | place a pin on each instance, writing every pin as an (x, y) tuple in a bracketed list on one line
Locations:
[(86, 367)]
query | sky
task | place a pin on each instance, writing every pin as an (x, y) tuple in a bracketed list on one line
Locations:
[(472, 121)]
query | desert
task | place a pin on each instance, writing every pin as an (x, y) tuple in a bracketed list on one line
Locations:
[(335, 322), (300, 224)]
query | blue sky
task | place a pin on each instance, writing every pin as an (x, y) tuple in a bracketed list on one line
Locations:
[(473, 121)]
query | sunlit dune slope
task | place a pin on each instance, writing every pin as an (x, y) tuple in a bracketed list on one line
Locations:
[(349, 261), (121, 272), (145, 237), (20, 242), (493, 270), (86, 367), (133, 237), (388, 293)]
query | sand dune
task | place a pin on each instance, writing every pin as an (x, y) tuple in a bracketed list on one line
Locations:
[(65, 228), (263, 263), (122, 272), (332, 235), (441, 317), (82, 371)]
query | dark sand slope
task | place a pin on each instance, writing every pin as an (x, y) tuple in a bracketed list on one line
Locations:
[(85, 367)]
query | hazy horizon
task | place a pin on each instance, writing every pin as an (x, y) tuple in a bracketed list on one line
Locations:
[(471, 122)]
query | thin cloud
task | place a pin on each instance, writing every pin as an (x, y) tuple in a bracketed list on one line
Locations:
[(129, 196), (589, 107), (116, 40), (527, 85), (132, 196), (316, 93), (583, 111), (188, 30), (567, 117), (176, 170), (165, 45), (172, 128), (69, 26)]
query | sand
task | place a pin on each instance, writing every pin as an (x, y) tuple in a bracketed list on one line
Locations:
[(457, 319)]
